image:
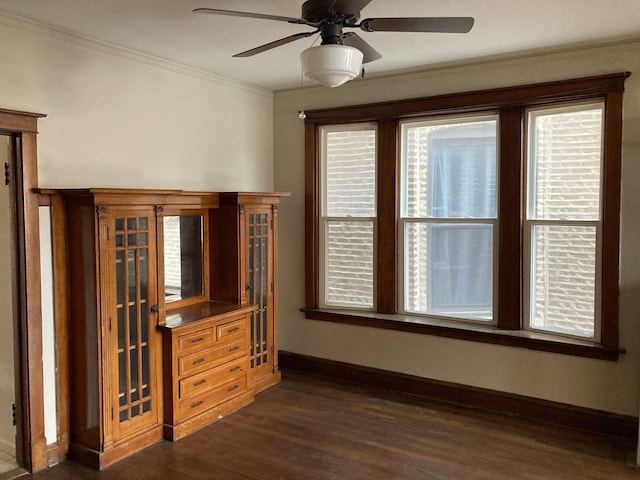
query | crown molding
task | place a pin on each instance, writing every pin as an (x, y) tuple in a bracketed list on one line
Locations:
[(54, 33)]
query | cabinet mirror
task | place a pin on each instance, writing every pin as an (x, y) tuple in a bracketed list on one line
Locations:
[(183, 257)]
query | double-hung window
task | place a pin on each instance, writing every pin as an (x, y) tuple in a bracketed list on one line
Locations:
[(448, 221), (563, 221), (490, 216), (348, 215)]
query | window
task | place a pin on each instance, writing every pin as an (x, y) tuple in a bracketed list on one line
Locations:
[(348, 215), (563, 226), (489, 216), (448, 219)]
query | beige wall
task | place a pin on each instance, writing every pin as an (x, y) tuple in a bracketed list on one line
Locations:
[(48, 328), (609, 386), (119, 119)]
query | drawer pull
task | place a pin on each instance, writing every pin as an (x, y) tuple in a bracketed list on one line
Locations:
[(196, 340), (197, 404), (235, 369), (200, 360), (233, 349), (234, 329), (231, 389), (200, 382)]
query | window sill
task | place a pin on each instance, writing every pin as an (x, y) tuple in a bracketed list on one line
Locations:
[(467, 331)]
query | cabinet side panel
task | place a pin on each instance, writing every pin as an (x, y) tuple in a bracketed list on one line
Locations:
[(84, 341)]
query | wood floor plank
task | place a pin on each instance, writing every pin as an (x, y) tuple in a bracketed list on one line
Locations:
[(307, 428)]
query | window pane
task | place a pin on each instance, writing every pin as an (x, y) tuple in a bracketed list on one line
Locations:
[(449, 269), (565, 158), (350, 173), (349, 264), (562, 278), (450, 169)]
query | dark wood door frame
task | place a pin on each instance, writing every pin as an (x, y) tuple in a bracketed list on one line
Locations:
[(31, 449)]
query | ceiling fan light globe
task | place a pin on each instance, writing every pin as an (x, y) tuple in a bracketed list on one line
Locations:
[(331, 65)]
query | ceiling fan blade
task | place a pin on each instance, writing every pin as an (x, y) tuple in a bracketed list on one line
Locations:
[(418, 24), (232, 13), (277, 43), (354, 40)]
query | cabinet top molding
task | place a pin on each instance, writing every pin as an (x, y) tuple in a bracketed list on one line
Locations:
[(169, 197)]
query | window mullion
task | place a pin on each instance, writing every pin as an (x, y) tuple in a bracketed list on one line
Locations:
[(388, 180), (510, 215)]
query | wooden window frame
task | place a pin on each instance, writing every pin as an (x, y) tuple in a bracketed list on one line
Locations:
[(510, 103)]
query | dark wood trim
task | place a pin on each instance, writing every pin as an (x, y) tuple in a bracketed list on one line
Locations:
[(473, 332), (33, 292), (387, 203), (528, 408), (509, 305), (31, 451), (44, 200), (612, 172), (16, 231), (178, 199), (14, 121), (311, 216), (31, 447), (535, 94), (62, 325)]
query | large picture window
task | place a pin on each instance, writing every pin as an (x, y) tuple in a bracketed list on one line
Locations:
[(489, 216)]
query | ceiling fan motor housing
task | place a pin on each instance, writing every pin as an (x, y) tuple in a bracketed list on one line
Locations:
[(331, 34), (325, 11)]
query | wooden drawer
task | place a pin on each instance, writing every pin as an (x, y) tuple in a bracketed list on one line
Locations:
[(192, 406), (201, 382), (199, 339), (231, 330), (205, 359)]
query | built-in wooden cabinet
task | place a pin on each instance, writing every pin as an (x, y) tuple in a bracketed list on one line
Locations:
[(156, 355)]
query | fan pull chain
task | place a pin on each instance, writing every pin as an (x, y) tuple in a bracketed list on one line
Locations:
[(301, 114)]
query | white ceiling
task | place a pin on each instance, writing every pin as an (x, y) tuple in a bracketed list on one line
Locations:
[(168, 29)]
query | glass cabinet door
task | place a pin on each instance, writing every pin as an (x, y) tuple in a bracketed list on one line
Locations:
[(260, 290), (131, 236)]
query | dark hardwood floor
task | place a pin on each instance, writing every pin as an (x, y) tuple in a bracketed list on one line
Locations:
[(309, 428)]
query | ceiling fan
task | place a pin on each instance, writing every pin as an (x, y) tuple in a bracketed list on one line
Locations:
[(341, 54)]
